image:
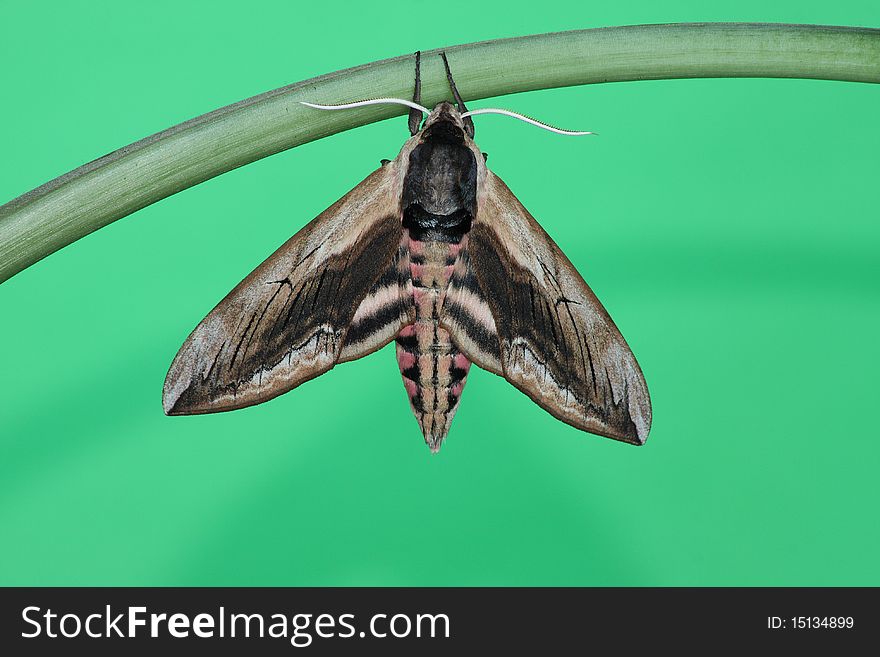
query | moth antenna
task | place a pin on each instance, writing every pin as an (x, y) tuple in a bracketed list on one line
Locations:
[(371, 101), (523, 117)]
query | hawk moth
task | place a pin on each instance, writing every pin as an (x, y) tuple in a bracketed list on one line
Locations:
[(431, 250)]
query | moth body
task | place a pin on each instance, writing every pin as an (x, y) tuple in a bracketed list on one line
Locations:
[(434, 370), (437, 209), (433, 251)]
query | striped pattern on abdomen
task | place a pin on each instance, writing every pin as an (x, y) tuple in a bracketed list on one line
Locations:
[(434, 370)]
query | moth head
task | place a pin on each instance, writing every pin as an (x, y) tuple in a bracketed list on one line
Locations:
[(444, 124)]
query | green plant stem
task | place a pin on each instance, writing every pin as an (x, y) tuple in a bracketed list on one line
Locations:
[(100, 192)]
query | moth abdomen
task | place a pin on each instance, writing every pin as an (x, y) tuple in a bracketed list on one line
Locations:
[(433, 368)]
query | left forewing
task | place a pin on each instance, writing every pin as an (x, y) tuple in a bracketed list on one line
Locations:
[(319, 299), (557, 343)]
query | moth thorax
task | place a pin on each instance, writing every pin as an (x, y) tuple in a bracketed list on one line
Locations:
[(441, 176)]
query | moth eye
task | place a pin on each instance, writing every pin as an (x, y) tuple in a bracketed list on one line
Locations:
[(383, 161), (485, 157)]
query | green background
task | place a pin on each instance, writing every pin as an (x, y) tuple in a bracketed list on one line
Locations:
[(729, 226)]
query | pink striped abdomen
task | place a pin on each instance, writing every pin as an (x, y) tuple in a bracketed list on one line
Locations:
[(434, 370)]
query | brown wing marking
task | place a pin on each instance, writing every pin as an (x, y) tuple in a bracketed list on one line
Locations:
[(558, 344), (468, 316), (385, 309), (287, 321)]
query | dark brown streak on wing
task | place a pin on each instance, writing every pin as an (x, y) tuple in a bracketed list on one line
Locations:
[(214, 362), (384, 311), (468, 317), (577, 333), (243, 336), (344, 268), (329, 307), (280, 327), (541, 339), (592, 367), (262, 315), (574, 363)]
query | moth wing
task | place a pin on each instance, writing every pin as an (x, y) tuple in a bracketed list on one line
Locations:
[(553, 339), (319, 299), (469, 317)]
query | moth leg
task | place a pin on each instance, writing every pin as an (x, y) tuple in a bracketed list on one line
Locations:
[(468, 121), (415, 116)]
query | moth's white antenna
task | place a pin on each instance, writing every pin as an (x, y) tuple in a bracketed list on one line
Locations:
[(409, 103), (522, 117), (371, 101)]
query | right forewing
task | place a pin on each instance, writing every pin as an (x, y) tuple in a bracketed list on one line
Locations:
[(555, 341)]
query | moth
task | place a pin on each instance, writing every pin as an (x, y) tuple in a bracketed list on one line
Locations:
[(431, 250)]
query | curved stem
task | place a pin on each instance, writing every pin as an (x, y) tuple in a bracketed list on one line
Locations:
[(100, 192)]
